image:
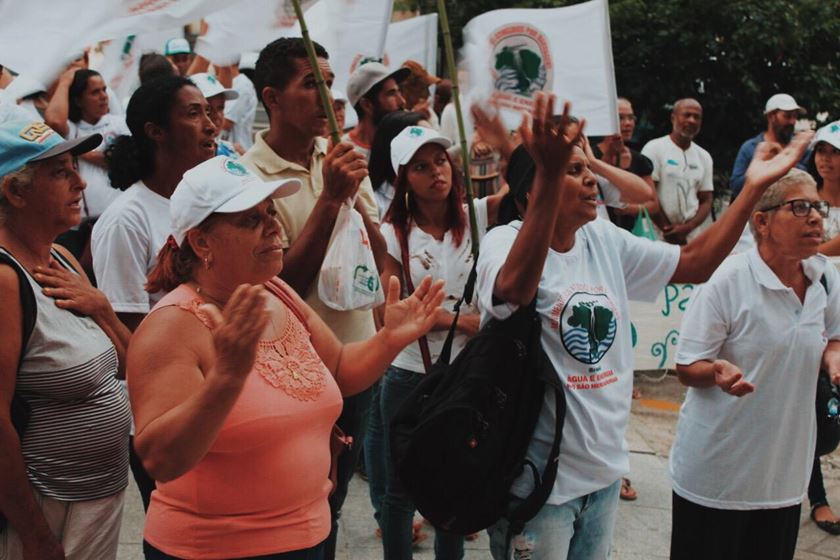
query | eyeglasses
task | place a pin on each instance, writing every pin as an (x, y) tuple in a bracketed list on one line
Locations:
[(801, 207)]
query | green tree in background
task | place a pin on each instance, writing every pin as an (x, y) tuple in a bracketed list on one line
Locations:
[(730, 55)]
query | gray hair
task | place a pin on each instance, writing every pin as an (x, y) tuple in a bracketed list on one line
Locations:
[(22, 176), (775, 194)]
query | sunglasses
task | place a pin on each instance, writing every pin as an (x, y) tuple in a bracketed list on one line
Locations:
[(802, 208)]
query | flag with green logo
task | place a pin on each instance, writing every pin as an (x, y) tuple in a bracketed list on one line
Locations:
[(513, 54)]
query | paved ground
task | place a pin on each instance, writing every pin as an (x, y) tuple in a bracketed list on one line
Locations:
[(643, 526)]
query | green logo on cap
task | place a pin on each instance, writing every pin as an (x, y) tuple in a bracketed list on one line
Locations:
[(835, 128), (235, 168), (416, 132), (212, 79)]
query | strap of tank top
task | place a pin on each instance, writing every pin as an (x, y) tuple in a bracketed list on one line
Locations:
[(278, 288)]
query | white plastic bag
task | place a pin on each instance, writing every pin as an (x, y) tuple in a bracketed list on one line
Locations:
[(349, 278)]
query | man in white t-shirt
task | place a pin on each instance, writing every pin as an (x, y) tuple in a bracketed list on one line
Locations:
[(682, 171), (373, 91)]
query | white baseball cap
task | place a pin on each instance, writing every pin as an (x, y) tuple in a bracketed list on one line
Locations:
[(830, 133), (220, 184), (368, 75), (210, 86), (412, 138), (782, 102), (178, 45)]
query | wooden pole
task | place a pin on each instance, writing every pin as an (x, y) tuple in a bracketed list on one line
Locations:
[(465, 152), (326, 98)]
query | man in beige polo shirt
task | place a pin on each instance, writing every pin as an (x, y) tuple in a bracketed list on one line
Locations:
[(293, 146)]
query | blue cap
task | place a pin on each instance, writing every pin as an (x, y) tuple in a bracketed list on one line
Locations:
[(22, 142)]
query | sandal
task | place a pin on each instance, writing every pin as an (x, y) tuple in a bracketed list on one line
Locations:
[(830, 527), (627, 492)]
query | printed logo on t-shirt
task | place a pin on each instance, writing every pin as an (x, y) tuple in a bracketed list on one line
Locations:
[(588, 326)]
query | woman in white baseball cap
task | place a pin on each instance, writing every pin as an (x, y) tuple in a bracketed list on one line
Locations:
[(65, 421), (426, 232), (236, 383)]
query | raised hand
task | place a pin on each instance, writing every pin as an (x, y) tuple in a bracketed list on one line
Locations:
[(236, 331), (771, 161), (547, 142), (71, 291), (730, 379), (407, 320), (491, 130), (344, 169)]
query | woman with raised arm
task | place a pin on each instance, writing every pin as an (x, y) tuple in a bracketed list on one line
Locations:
[(236, 383), (583, 272)]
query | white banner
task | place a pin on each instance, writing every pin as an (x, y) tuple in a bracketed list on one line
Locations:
[(121, 59), (247, 26), (38, 38), (413, 39), (350, 30), (513, 54)]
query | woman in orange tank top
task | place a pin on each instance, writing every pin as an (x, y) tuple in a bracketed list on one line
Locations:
[(236, 383)]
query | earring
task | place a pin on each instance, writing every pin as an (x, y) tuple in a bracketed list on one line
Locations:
[(208, 262), (406, 200)]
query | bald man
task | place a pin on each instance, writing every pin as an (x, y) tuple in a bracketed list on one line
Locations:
[(682, 172)]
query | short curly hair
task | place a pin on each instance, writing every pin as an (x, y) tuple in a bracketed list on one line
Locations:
[(275, 66)]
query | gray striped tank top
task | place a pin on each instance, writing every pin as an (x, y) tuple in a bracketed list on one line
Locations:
[(76, 444)]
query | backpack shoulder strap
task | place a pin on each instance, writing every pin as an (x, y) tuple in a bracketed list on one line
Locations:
[(422, 342), (27, 299)]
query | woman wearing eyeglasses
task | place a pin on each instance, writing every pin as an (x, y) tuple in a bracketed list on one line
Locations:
[(751, 344)]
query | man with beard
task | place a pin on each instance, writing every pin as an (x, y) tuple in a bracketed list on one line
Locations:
[(373, 91), (682, 171), (781, 111)]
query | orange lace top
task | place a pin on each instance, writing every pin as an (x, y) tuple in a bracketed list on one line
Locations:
[(263, 486)]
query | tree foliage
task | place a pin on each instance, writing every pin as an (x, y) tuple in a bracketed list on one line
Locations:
[(729, 54)]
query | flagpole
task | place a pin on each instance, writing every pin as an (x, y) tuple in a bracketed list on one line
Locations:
[(326, 99), (456, 98)]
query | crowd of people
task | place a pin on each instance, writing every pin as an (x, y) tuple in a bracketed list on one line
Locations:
[(159, 269)]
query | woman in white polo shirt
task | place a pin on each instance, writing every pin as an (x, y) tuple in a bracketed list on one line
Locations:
[(751, 345), (583, 272), (427, 226)]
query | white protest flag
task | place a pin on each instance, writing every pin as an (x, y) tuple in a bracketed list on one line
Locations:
[(413, 39), (351, 31), (39, 38), (513, 54), (247, 26)]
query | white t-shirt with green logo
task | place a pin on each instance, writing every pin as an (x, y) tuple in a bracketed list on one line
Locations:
[(680, 176), (583, 300)]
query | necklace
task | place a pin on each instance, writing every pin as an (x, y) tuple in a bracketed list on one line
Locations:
[(204, 295)]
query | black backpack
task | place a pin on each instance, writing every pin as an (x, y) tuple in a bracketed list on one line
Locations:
[(828, 421), (460, 438)]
